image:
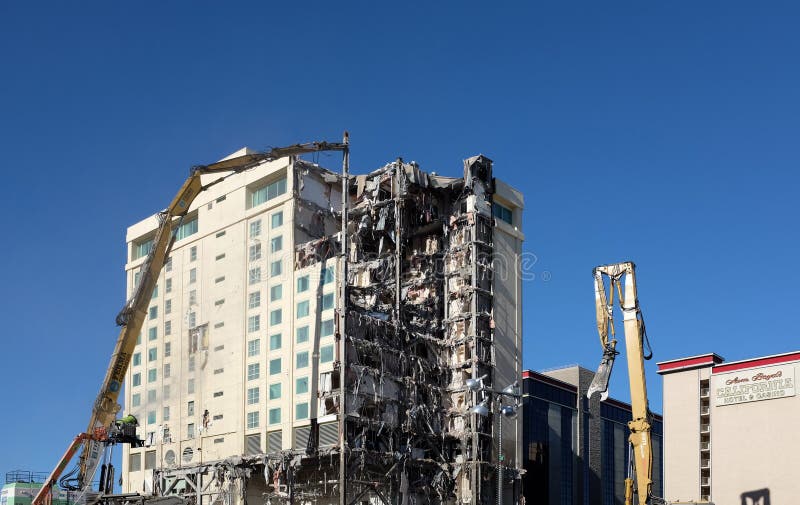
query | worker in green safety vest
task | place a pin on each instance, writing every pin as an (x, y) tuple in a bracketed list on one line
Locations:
[(129, 419)]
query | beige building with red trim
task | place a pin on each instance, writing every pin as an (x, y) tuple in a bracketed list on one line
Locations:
[(730, 429)]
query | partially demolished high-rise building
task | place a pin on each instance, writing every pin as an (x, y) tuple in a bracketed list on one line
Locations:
[(289, 360)]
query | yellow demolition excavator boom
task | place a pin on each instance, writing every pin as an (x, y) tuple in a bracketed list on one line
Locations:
[(621, 279), (131, 317)]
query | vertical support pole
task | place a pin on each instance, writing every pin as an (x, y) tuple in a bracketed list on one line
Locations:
[(499, 451), (342, 324)]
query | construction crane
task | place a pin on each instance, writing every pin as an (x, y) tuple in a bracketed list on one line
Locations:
[(103, 428), (640, 443)]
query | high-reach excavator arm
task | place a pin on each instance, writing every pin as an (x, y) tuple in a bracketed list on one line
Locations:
[(131, 317), (640, 443)]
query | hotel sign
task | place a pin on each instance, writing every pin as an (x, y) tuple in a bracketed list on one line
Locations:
[(744, 386)]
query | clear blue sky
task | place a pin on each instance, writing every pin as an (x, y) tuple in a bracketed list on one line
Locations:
[(662, 132)]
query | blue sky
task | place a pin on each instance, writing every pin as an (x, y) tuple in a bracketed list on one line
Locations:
[(661, 132)]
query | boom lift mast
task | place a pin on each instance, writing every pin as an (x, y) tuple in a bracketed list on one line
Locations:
[(131, 317)]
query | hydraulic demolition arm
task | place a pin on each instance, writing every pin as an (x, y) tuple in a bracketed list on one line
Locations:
[(641, 449), (635, 335)]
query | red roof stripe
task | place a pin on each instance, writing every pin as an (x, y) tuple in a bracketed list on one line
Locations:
[(769, 360), (683, 363)]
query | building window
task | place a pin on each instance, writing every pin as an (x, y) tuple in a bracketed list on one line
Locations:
[(151, 395), (276, 293), (276, 244), (142, 248), (254, 300), (253, 396), (168, 266), (165, 392), (219, 257), (167, 349), (152, 333), (275, 342), (167, 328), (301, 411), (217, 394), (165, 414), (220, 234), (190, 387), (301, 385), (253, 371), (167, 370), (275, 317), (190, 364), (168, 307), (502, 213), (254, 347), (268, 192), (190, 409), (327, 301), (137, 359), (255, 228), (153, 312), (255, 275), (274, 391), (302, 284), (255, 252), (191, 320), (152, 375), (151, 417), (302, 309), (155, 292), (136, 400), (327, 328), (135, 462), (152, 354), (302, 334), (274, 416), (275, 366), (252, 420), (253, 323), (192, 276), (275, 268), (327, 275), (168, 286), (219, 279), (277, 219), (137, 379), (186, 229), (193, 297), (301, 360), (193, 253), (190, 430), (326, 354)]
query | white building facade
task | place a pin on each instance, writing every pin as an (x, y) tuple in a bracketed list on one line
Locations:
[(727, 429), (239, 354)]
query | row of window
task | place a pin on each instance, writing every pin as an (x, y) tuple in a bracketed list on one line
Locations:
[(274, 415), (252, 418), (301, 361), (301, 337), (190, 226)]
